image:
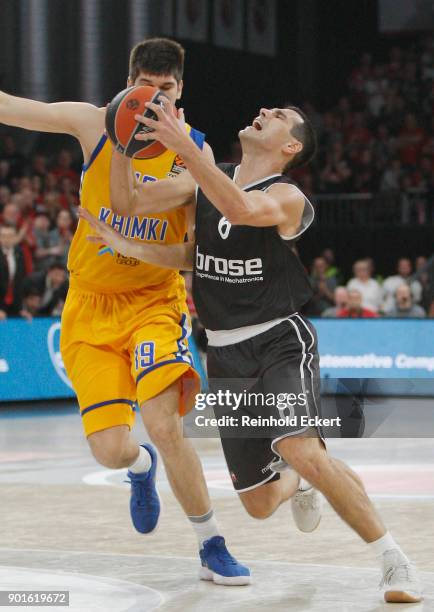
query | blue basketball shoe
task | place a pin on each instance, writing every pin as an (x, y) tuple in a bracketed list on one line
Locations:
[(145, 502), (219, 565)]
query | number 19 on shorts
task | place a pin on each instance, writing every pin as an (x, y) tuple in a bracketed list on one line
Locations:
[(144, 355)]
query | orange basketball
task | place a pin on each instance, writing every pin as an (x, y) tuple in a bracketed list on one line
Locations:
[(122, 127)]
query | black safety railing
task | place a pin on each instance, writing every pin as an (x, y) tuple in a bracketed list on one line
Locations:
[(374, 210)]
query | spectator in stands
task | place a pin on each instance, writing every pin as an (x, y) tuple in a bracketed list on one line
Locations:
[(332, 271), (370, 289), (322, 286), (376, 86), (426, 277), (403, 277), (341, 303), (68, 193), (405, 308), (365, 177), (419, 264), (50, 204), (4, 173), (39, 166), (16, 160), (359, 135), (410, 140), (52, 288), (12, 216), (329, 132), (5, 194), (45, 253), (384, 146), (31, 303), (355, 310), (422, 276), (36, 183), (64, 167), (336, 174), (12, 272), (372, 271), (391, 179), (61, 235)]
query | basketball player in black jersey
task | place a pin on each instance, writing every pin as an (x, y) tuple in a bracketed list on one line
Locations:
[(248, 288)]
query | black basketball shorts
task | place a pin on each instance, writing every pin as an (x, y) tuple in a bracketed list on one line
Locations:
[(279, 372)]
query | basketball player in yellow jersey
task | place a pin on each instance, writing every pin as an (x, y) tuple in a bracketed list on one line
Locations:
[(125, 324)]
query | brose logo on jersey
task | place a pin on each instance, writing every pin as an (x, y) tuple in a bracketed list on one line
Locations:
[(229, 267)]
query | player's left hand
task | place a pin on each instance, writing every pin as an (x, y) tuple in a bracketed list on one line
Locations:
[(168, 129), (106, 235)]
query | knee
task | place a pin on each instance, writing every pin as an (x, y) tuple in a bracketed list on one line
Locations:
[(108, 448), (309, 463)]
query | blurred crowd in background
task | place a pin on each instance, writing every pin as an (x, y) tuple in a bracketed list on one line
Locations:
[(38, 202), (407, 294), (378, 138)]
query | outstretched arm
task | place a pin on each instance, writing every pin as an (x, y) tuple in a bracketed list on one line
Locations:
[(84, 121), (173, 256), (282, 205)]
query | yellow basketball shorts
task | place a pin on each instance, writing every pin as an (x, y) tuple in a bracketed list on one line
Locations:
[(120, 350)]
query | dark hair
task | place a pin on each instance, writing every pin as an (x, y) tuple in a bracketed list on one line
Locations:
[(303, 131), (31, 291), (157, 56), (56, 265)]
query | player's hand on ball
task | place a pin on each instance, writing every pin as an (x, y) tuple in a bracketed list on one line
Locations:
[(168, 129), (104, 234)]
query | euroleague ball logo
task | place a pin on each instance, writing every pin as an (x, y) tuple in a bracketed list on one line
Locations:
[(53, 344), (132, 104)]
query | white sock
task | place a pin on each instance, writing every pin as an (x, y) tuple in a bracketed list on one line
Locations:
[(142, 463), (385, 543), (204, 526)]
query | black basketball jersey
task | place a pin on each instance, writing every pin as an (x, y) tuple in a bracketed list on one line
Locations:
[(245, 275)]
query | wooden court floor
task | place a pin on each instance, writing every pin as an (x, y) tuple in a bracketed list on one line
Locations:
[(65, 522)]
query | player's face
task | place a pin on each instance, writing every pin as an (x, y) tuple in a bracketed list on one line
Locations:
[(272, 128), (165, 83)]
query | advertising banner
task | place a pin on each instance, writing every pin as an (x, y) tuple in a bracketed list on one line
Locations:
[(385, 357)]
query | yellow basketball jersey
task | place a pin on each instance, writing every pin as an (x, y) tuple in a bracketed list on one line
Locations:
[(99, 268)]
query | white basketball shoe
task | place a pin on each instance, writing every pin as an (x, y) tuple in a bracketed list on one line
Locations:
[(306, 506), (400, 581)]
